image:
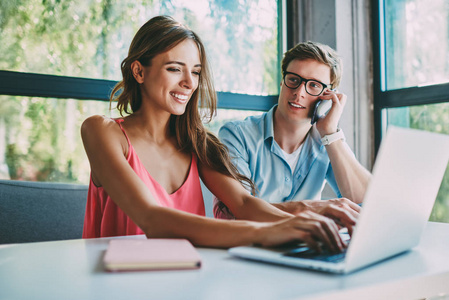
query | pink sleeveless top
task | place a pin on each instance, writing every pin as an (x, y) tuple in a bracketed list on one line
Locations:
[(104, 218)]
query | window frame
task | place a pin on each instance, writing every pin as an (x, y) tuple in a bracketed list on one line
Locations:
[(404, 97), (67, 87)]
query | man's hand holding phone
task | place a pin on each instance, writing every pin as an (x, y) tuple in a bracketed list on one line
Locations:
[(329, 124)]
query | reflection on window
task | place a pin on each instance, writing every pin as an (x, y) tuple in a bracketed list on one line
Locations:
[(91, 38), (417, 42), (434, 118), (40, 138)]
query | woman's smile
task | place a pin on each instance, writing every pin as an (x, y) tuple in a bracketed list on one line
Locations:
[(182, 98)]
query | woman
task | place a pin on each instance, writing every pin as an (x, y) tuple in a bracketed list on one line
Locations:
[(145, 167)]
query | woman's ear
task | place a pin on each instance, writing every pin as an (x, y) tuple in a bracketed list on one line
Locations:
[(137, 70)]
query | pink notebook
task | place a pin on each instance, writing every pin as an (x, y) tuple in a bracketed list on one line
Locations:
[(151, 254)]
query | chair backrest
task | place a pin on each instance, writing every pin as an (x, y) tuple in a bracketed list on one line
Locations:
[(41, 211)]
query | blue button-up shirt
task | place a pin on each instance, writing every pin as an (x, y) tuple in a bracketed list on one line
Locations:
[(257, 155)]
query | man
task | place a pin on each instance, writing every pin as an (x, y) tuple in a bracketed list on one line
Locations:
[(287, 157)]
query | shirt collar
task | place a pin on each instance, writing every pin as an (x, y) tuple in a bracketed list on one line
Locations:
[(313, 135), (269, 127)]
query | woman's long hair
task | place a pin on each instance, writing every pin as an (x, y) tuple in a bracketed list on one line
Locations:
[(158, 35)]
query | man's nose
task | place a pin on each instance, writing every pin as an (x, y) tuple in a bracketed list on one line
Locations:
[(301, 89)]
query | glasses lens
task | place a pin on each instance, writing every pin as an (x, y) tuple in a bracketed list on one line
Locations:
[(292, 81), (314, 88)]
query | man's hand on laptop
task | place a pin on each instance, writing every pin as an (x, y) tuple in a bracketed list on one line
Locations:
[(342, 210)]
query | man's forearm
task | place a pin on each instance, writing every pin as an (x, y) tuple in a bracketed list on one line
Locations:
[(352, 178)]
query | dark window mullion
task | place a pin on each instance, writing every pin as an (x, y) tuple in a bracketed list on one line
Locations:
[(414, 96), (245, 102), (42, 85), (377, 70), (52, 86)]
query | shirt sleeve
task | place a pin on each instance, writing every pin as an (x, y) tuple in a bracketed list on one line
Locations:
[(232, 137)]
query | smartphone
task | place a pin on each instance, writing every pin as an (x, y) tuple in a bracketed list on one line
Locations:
[(322, 107)]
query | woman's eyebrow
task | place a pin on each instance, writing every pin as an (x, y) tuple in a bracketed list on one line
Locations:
[(180, 63)]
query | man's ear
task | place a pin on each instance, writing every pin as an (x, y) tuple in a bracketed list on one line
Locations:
[(137, 70)]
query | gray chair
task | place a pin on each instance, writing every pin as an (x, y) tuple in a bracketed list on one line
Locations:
[(41, 211)]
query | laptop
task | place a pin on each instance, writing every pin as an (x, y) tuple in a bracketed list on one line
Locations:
[(405, 181)]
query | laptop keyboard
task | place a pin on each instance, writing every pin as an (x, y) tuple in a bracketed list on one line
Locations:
[(325, 255)]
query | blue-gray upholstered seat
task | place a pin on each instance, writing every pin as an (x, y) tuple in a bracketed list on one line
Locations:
[(41, 211)]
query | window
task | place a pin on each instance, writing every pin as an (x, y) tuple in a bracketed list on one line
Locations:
[(89, 39), (416, 43), (412, 73), (61, 57)]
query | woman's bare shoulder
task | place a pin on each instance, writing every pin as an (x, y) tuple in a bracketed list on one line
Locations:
[(96, 128), (97, 122)]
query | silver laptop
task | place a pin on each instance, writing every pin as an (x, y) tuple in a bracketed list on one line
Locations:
[(406, 178)]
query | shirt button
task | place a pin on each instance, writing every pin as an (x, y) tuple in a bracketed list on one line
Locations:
[(287, 179)]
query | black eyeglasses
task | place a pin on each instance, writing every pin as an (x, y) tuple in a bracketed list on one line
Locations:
[(313, 87)]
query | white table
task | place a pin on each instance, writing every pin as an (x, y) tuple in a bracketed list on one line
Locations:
[(73, 269)]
